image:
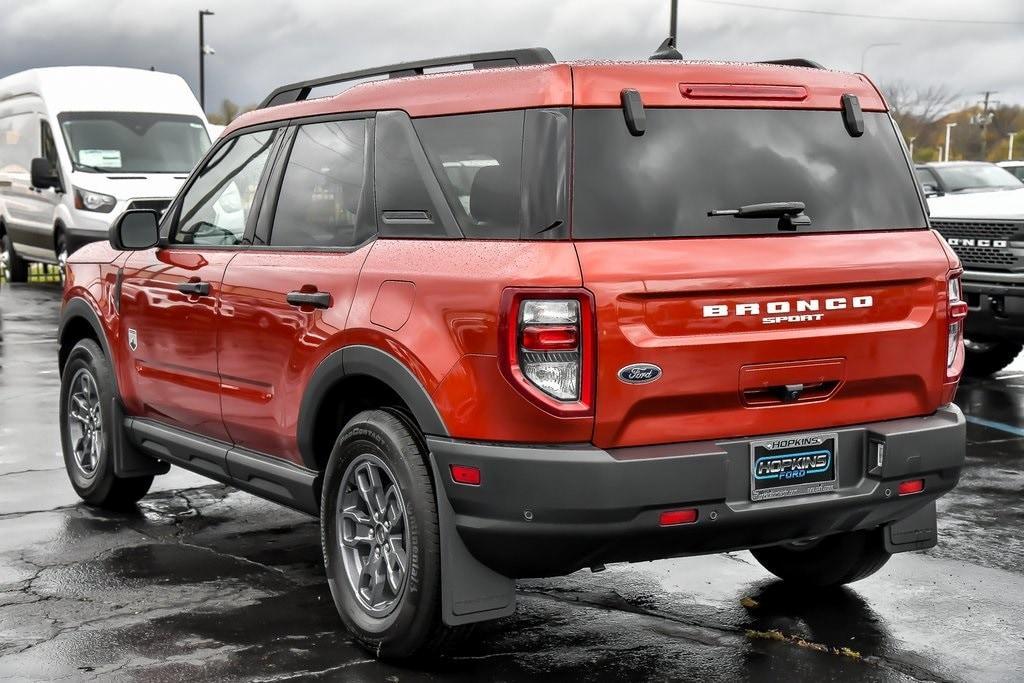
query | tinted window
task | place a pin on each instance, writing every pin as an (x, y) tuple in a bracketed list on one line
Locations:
[(123, 142), (322, 202), (215, 209), (479, 160), (977, 178), (692, 161)]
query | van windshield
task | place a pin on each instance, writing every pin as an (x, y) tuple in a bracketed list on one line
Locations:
[(128, 142), (690, 162)]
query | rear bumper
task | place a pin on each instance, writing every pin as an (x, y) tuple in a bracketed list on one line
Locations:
[(547, 511), (996, 303)]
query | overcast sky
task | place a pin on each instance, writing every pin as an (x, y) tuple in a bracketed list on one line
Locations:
[(263, 43)]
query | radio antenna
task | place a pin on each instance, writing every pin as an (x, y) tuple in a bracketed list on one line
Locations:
[(667, 50)]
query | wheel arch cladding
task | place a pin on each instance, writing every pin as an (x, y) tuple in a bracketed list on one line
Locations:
[(78, 321), (381, 370)]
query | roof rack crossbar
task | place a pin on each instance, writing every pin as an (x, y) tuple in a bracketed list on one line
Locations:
[(296, 92), (794, 61)]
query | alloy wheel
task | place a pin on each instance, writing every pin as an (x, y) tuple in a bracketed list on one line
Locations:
[(373, 525), (85, 422)]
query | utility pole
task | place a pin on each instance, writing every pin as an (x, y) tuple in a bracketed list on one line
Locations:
[(912, 147), (949, 127), (983, 119), (204, 50)]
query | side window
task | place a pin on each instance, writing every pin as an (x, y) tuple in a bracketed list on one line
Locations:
[(324, 200), (19, 140), (215, 209), (49, 147)]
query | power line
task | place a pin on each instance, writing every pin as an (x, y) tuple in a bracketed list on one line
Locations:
[(851, 15)]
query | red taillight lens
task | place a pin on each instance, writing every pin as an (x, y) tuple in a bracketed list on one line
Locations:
[(910, 487), (547, 348), (675, 517), (550, 338), (464, 474), (958, 310)]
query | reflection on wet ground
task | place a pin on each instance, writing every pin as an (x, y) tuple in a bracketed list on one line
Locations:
[(206, 583)]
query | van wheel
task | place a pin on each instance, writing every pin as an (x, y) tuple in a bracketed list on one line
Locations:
[(985, 358), (13, 267), (87, 429), (62, 253), (379, 531), (831, 561)]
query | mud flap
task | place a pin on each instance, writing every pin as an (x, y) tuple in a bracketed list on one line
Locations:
[(128, 461), (919, 531), (470, 591)]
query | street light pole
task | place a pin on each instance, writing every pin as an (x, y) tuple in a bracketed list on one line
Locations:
[(864, 54), (1009, 154), (912, 148), (949, 127), (203, 13)]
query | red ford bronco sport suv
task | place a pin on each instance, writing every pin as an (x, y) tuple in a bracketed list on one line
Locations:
[(534, 317)]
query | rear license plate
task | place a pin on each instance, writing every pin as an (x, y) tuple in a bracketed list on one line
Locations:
[(797, 465)]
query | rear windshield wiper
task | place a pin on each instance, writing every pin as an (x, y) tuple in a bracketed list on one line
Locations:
[(790, 214)]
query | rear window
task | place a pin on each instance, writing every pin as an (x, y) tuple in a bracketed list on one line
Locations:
[(692, 161)]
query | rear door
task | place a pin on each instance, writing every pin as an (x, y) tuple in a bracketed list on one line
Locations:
[(285, 300), (170, 296), (757, 328)]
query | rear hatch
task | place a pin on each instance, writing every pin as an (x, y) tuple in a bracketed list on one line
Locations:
[(755, 330)]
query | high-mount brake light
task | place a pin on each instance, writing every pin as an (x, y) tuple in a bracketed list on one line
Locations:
[(739, 91), (956, 312), (547, 349)]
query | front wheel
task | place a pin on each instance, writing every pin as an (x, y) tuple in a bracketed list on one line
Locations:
[(87, 430), (13, 267), (831, 561), (379, 530), (984, 358)]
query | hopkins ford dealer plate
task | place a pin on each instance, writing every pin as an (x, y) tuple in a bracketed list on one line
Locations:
[(793, 466)]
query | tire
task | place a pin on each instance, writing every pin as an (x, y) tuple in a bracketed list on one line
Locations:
[(15, 269), (983, 358), (61, 252), (832, 561), (396, 624), (87, 385)]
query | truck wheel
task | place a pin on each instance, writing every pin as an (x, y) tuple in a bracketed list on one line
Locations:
[(14, 268), (379, 531), (87, 429), (832, 561), (985, 358)]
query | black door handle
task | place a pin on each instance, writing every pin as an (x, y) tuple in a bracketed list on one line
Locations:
[(314, 299), (195, 288)]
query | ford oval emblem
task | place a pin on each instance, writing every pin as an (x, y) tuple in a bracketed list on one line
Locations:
[(639, 373)]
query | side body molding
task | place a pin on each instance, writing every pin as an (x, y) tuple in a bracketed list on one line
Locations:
[(357, 360)]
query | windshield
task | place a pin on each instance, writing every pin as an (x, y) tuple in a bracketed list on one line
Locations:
[(693, 161), (977, 178), (125, 142)]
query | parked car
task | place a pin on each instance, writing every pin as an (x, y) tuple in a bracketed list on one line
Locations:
[(964, 177), (742, 335), (986, 231), (78, 145), (1014, 167)]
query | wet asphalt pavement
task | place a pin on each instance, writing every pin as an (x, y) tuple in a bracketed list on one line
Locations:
[(207, 583)]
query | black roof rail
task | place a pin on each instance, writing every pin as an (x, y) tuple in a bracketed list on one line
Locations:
[(296, 92), (795, 61)]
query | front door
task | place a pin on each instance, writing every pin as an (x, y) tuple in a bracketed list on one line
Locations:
[(170, 296), (286, 298)]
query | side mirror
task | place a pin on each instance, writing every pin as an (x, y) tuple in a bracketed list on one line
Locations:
[(43, 174), (930, 190), (135, 230)]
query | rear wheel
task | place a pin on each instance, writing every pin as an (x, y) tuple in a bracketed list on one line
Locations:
[(61, 252), (13, 267), (831, 561), (87, 429), (984, 358), (379, 531)]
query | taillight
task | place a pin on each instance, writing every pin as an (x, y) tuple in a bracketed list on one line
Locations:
[(547, 349), (956, 312)]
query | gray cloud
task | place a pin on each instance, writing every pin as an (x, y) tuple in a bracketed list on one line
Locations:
[(265, 43)]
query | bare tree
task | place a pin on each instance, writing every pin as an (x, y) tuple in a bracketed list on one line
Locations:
[(915, 107)]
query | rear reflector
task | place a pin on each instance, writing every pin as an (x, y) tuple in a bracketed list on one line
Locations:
[(464, 474), (731, 91), (958, 310), (910, 486), (674, 517)]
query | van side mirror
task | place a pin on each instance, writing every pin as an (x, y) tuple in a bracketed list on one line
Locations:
[(44, 175), (135, 230)]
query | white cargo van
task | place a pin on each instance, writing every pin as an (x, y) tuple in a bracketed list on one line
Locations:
[(78, 145)]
